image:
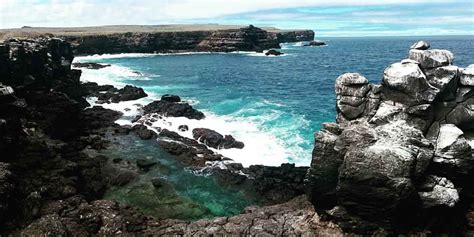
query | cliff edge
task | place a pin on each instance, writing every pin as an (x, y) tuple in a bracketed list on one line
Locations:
[(165, 39), (400, 156)]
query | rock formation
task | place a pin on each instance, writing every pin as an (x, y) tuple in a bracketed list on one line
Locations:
[(401, 153), (245, 39)]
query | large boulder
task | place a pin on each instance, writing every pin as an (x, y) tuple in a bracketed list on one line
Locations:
[(432, 58), (173, 109), (421, 45), (353, 97), (407, 84), (467, 76)]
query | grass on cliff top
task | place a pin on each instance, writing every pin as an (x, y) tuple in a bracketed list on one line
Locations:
[(26, 32)]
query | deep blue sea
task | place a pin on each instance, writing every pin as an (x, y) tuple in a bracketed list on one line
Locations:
[(273, 104)]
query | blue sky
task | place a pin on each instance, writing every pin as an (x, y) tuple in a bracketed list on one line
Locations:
[(327, 18)]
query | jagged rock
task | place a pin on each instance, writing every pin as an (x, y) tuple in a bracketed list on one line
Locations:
[(125, 94), (183, 128), (351, 91), (171, 98), (467, 76), (407, 84), (432, 58), (406, 164), (173, 109), (249, 38), (94, 66), (215, 139), (421, 45), (438, 191), (273, 52)]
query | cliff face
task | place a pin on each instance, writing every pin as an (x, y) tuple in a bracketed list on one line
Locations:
[(293, 36), (243, 39), (401, 154)]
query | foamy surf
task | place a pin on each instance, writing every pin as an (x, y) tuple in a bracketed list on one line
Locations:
[(270, 147)]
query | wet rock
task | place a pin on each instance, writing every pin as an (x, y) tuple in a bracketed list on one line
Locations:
[(183, 128), (173, 109), (316, 43), (171, 98), (94, 66), (421, 45), (273, 52), (215, 139)]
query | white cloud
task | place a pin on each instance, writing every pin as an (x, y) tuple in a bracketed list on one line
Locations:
[(16, 13)]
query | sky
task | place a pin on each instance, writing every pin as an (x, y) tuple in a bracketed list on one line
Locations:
[(327, 18)]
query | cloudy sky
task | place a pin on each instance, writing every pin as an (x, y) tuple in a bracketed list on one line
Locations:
[(327, 18)]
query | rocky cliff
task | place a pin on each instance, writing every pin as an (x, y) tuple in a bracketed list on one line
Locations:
[(240, 39), (53, 176), (400, 156)]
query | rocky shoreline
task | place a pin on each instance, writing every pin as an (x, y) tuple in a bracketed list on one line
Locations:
[(398, 160), (248, 38), (52, 173)]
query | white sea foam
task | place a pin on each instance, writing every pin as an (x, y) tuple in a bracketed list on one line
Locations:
[(272, 146)]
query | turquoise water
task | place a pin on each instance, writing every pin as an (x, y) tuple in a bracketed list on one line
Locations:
[(273, 104), (183, 195)]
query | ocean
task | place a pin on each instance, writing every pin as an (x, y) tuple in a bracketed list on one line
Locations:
[(273, 104)]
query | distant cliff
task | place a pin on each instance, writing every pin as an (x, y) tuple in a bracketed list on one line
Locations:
[(244, 39), (166, 38)]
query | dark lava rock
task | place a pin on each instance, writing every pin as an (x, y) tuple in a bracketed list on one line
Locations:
[(171, 98), (215, 139), (125, 94), (98, 118), (173, 109), (183, 128), (145, 164), (316, 43), (91, 65), (273, 52), (146, 134)]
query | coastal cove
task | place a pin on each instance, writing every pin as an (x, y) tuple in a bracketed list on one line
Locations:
[(218, 142), (272, 104)]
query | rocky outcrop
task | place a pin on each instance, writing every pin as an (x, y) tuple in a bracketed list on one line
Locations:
[(273, 52), (94, 66), (215, 140), (168, 107), (401, 154), (244, 39), (293, 36), (98, 218)]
